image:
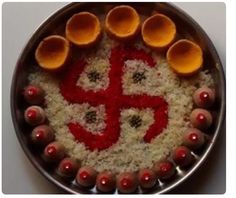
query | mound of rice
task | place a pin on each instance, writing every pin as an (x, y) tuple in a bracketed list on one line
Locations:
[(130, 153)]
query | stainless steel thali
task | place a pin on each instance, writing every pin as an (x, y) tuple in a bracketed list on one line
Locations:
[(186, 26)]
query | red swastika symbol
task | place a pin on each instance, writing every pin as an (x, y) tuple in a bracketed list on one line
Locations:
[(113, 99)]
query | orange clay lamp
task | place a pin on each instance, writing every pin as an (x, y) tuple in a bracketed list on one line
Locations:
[(158, 31), (185, 57), (52, 52), (122, 23), (83, 29)]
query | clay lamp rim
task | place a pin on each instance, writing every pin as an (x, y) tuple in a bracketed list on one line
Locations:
[(89, 30), (185, 57), (162, 24), (52, 52), (116, 13)]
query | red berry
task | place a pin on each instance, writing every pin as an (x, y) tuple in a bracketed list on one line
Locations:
[(204, 96), (106, 182), (40, 135), (34, 95), (34, 115), (126, 183), (146, 177), (54, 152), (193, 137), (164, 169), (31, 91), (201, 118), (51, 150), (182, 156), (31, 114), (67, 167), (84, 175)]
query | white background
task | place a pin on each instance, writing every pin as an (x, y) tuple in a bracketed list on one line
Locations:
[(19, 22)]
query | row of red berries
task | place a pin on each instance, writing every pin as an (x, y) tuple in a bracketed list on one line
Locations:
[(107, 181)]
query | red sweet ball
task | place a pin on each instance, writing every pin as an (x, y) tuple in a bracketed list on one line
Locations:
[(193, 139), (147, 178), (42, 135), (34, 95), (204, 97), (68, 167), (54, 152), (127, 182), (164, 169), (201, 119), (86, 177), (34, 115), (182, 156), (106, 182)]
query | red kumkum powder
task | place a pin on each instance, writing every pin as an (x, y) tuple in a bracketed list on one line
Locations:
[(75, 94)]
